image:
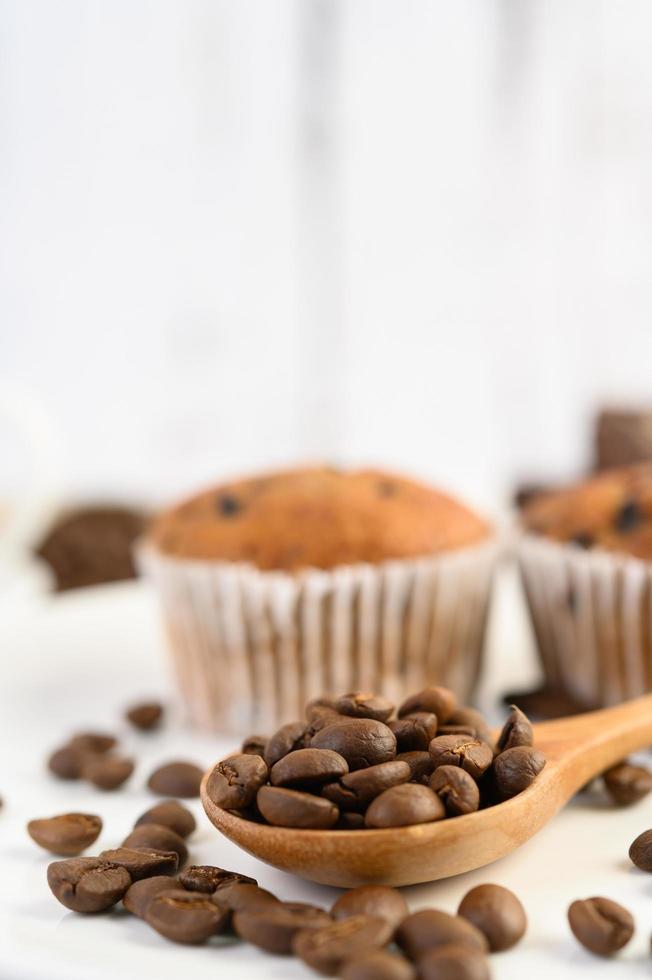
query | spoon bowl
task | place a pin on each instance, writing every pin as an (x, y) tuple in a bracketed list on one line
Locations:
[(576, 748)]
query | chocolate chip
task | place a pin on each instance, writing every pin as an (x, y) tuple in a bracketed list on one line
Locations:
[(176, 779), (88, 884), (68, 834)]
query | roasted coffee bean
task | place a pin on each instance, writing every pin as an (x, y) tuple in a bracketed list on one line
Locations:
[(292, 808), (404, 805), (272, 927), (456, 789), (421, 765), (145, 716), (320, 705), (156, 837), (516, 768), (467, 730), (428, 928), (234, 782), (377, 964), (66, 762), (414, 732), (238, 896), (97, 743), (517, 730), (497, 913), (640, 851), (470, 754), (254, 745), (471, 718), (308, 768), (360, 705), (450, 962), (356, 790), (170, 814), (437, 700), (602, 926), (327, 949), (68, 834), (176, 779), (207, 878), (361, 741), (185, 917), (88, 884), (376, 900), (288, 738), (350, 820), (107, 772), (627, 784), (142, 863), (140, 894)]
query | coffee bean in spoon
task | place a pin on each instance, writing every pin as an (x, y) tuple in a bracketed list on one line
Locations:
[(517, 730), (361, 741), (172, 814), (140, 894), (141, 862), (377, 964), (355, 790), (470, 754), (515, 769), (380, 901), (158, 838), (255, 745), (640, 851), (437, 700), (421, 765), (107, 772), (288, 738), (327, 949), (428, 928), (497, 912), (308, 768), (404, 805), (350, 820), (145, 716), (88, 884), (208, 878), (414, 732), (600, 925), (234, 782), (627, 784), (362, 705), (293, 808), (456, 789), (471, 718), (176, 779), (450, 962), (67, 834), (185, 917)]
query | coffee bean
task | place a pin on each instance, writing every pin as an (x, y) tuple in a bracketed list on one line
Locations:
[(428, 928), (360, 705), (467, 730), (320, 705), (450, 962), (377, 964), (497, 913), (68, 834), (107, 772), (437, 700), (140, 894), (517, 730), (470, 754), (602, 926), (156, 837), (145, 716), (254, 745), (350, 820), (640, 851), (421, 765), (185, 917), (456, 789), (361, 741), (88, 884), (414, 732), (627, 784), (234, 782), (207, 878), (327, 949), (380, 901), (404, 805), (355, 790), (170, 814), (273, 926), (308, 768), (97, 743), (516, 768), (288, 738), (472, 718), (176, 779), (292, 808), (142, 863), (238, 896), (66, 762)]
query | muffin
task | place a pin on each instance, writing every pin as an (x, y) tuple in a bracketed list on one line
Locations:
[(586, 562), (282, 587)]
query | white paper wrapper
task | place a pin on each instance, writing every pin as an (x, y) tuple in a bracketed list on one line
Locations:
[(592, 616), (250, 648)]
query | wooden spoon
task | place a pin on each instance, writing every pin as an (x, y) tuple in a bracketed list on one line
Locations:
[(577, 749)]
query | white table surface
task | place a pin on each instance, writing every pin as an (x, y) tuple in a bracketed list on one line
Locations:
[(74, 661)]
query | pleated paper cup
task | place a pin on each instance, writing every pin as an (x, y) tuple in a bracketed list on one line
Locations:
[(250, 648), (592, 616)]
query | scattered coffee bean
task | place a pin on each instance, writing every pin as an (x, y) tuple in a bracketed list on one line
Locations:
[(428, 928), (238, 896), (497, 913), (68, 834), (403, 805), (207, 878), (176, 779), (234, 782), (170, 814), (140, 894), (292, 808), (451, 962), (97, 743), (380, 901), (517, 730), (356, 790), (361, 741), (66, 762), (156, 837), (141, 863), (288, 738), (272, 927), (88, 884), (627, 784), (145, 716), (640, 851), (254, 745), (470, 754), (602, 926), (377, 964), (107, 772), (456, 789), (414, 732), (421, 765), (515, 769), (328, 948), (360, 705), (437, 700), (308, 767), (185, 917)]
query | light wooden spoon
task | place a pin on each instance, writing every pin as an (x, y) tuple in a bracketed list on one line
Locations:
[(577, 749)]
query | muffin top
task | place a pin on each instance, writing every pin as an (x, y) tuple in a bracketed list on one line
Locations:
[(611, 511), (316, 517)]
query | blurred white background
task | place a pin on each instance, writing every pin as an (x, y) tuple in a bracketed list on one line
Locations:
[(240, 233)]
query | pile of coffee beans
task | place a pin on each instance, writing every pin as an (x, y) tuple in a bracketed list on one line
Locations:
[(355, 764)]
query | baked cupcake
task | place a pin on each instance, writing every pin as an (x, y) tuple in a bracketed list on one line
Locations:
[(586, 562), (282, 587)]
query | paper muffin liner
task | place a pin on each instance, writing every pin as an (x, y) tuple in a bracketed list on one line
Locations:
[(592, 617), (250, 648)]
